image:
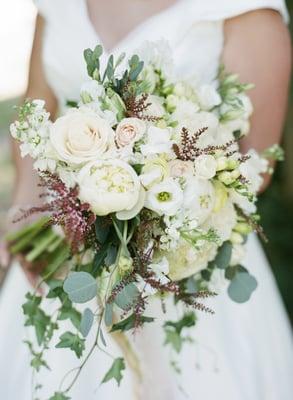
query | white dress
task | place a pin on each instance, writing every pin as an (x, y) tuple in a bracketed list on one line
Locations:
[(244, 352)]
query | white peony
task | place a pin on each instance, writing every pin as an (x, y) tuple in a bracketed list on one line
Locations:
[(205, 166), (129, 131), (81, 136), (157, 141), (199, 199), (165, 198), (108, 186)]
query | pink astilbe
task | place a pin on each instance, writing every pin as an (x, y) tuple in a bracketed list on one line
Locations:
[(65, 210)]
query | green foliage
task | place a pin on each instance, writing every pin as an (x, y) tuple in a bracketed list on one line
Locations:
[(81, 287), (73, 342), (67, 311), (115, 372), (86, 322), (173, 330), (127, 296), (92, 58), (109, 314), (241, 287), (129, 323), (59, 396), (223, 257), (37, 318)]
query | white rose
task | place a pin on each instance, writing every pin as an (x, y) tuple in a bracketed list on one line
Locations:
[(158, 141), (165, 198), (181, 168), (199, 199), (155, 107), (81, 136), (205, 166), (129, 131), (208, 97), (108, 186)]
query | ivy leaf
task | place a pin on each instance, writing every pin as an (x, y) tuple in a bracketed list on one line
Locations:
[(173, 330), (129, 323), (241, 287), (73, 342), (59, 396), (127, 296), (86, 323), (115, 372), (174, 339), (81, 287), (223, 257), (68, 312), (37, 362)]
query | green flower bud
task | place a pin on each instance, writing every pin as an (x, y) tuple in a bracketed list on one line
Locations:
[(236, 238), (243, 228), (232, 164), (125, 265), (226, 178), (222, 163)]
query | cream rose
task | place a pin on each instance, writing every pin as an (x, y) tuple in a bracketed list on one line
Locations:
[(81, 136), (180, 168), (205, 166), (108, 186), (129, 131)]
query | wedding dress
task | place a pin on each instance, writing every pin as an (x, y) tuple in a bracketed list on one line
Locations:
[(244, 351)]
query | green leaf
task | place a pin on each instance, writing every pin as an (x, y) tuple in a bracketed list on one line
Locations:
[(59, 396), (109, 314), (115, 372), (37, 362), (81, 287), (127, 296), (231, 271), (129, 323), (241, 287), (111, 255), (223, 257), (102, 229), (190, 286), (187, 321), (73, 342), (174, 339), (68, 312), (99, 260), (86, 323)]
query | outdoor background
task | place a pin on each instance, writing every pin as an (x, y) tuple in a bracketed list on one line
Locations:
[(276, 205)]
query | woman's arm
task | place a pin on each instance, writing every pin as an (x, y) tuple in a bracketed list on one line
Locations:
[(26, 189), (257, 46)]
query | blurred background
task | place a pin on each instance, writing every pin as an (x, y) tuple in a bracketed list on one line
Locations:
[(276, 204)]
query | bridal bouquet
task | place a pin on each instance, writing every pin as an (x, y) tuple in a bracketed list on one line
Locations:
[(146, 193)]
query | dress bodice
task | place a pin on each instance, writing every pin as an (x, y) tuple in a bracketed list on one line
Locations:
[(193, 29)]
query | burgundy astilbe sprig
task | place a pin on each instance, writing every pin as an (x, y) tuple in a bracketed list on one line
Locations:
[(188, 149), (65, 210), (137, 107)]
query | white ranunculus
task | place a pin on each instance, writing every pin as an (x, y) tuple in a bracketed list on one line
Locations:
[(157, 141), (205, 166), (208, 97), (181, 168), (91, 91), (252, 170), (184, 112), (155, 107), (165, 198), (129, 131), (80, 136), (108, 186), (155, 170), (199, 199), (223, 221)]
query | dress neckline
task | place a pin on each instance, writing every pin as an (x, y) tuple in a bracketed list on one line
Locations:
[(137, 28)]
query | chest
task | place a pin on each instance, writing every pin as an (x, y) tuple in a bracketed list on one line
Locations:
[(196, 44)]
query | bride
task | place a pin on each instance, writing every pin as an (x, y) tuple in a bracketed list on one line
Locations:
[(244, 352)]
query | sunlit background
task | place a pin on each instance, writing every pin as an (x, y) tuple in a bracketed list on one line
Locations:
[(17, 19)]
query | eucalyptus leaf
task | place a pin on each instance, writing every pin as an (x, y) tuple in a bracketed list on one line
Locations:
[(109, 314), (127, 296), (241, 287), (223, 257), (80, 287), (86, 322), (59, 396)]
